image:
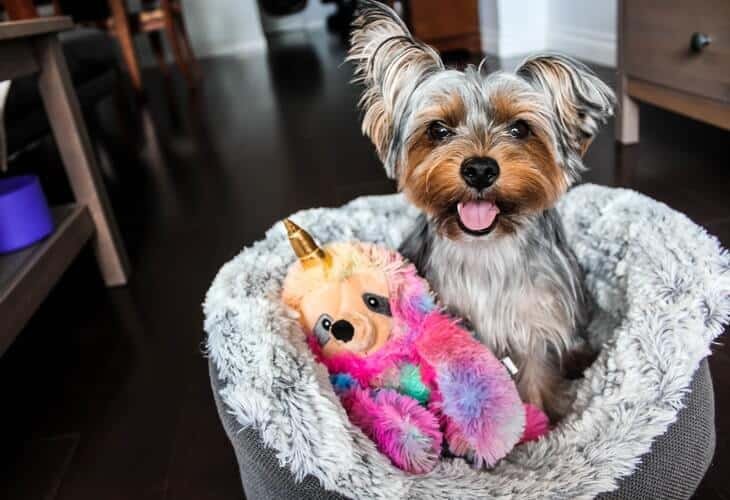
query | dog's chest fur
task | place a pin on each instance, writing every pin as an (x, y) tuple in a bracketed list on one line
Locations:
[(521, 292)]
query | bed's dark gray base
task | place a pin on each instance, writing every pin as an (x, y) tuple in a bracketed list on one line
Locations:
[(679, 458), (262, 476), (671, 470)]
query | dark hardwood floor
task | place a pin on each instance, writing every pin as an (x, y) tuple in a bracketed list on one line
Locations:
[(105, 394)]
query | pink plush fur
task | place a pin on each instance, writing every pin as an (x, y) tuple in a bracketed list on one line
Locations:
[(537, 424), (473, 403), (402, 429), (479, 401)]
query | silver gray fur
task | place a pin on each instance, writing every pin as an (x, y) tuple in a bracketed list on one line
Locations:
[(522, 294), (402, 75), (661, 287), (510, 287), (522, 290)]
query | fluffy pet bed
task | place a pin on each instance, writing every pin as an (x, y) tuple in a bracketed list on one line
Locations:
[(662, 287)]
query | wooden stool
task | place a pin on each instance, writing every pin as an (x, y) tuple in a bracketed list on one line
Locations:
[(26, 276), (155, 17)]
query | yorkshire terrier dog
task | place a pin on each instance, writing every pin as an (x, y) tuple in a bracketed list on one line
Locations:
[(485, 157)]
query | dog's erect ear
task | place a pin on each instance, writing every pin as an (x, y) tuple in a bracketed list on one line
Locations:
[(390, 63), (582, 102)]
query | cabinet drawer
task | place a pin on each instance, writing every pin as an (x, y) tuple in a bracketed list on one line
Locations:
[(656, 45), (435, 19)]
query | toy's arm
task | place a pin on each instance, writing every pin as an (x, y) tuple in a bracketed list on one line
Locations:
[(482, 412), (401, 428), (537, 424)]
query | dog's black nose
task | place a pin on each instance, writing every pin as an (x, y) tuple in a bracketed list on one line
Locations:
[(480, 173), (343, 330)]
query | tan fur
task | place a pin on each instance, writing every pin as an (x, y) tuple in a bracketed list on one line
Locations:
[(558, 79), (529, 175), (519, 284), (530, 179)]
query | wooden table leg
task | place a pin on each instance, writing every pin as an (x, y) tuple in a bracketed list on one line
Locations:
[(627, 114), (123, 33), (188, 49), (78, 158), (175, 34), (158, 49)]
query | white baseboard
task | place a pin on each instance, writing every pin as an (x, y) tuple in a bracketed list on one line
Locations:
[(284, 25), (243, 48), (592, 46)]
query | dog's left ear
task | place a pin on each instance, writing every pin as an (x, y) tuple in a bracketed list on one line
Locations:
[(390, 63), (581, 101)]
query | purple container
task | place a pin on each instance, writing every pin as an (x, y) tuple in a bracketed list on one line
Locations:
[(24, 214)]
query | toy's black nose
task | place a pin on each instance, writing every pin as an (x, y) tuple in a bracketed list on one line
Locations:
[(479, 173), (343, 330)]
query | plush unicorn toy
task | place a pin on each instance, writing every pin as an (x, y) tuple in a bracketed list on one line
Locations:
[(407, 374)]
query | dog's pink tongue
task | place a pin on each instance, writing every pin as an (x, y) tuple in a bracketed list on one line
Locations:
[(477, 215)]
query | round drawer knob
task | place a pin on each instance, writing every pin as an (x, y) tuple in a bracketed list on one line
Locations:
[(699, 41)]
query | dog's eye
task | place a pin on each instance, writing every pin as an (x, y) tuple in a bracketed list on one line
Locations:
[(377, 303), (519, 129), (438, 132)]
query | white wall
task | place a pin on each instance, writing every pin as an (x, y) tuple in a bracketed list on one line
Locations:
[(489, 26), (312, 17), (580, 28), (223, 26), (511, 28), (230, 26), (584, 29)]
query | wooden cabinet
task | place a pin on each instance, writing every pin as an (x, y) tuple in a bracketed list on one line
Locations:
[(676, 55), (447, 25)]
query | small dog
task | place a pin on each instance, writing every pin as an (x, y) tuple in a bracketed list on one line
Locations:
[(486, 157)]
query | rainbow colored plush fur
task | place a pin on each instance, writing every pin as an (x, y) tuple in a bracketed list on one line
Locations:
[(408, 375)]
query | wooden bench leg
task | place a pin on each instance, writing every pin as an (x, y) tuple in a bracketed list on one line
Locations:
[(123, 33), (64, 115), (182, 29), (627, 115), (159, 50), (176, 35)]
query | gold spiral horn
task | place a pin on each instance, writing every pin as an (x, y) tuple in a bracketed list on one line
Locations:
[(304, 246)]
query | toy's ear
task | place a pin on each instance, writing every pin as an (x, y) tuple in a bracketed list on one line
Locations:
[(389, 63), (580, 100)]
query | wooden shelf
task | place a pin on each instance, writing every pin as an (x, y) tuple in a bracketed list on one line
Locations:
[(26, 276), (10, 30)]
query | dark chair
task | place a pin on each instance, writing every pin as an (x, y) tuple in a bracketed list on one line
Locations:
[(113, 16), (91, 59)]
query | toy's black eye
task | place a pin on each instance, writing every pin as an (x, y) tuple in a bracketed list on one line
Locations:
[(377, 303), (519, 129), (322, 329), (438, 131)]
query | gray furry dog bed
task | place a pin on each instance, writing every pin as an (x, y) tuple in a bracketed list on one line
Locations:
[(662, 289)]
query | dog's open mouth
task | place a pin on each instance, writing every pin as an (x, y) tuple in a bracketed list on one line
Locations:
[(477, 217)]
